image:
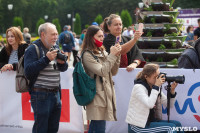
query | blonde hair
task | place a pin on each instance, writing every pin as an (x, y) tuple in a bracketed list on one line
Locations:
[(108, 21), (18, 37), (26, 30), (148, 70)]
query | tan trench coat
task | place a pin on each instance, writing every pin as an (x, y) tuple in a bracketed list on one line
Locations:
[(103, 106)]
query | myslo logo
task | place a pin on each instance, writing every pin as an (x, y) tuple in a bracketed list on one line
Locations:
[(184, 129), (188, 103)]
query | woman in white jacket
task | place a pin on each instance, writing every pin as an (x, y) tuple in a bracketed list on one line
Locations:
[(143, 115)]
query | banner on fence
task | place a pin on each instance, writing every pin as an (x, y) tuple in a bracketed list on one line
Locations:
[(186, 108), (16, 114)]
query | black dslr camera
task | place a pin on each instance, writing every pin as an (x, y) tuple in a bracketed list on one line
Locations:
[(60, 56), (178, 79)]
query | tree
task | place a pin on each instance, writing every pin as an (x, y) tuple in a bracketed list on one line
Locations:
[(99, 19), (77, 25), (57, 24), (32, 10), (126, 18), (17, 21), (39, 22)]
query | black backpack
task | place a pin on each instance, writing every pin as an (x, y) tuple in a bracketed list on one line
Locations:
[(189, 59), (67, 38)]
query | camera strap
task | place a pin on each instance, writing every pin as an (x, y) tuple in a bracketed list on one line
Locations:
[(160, 92)]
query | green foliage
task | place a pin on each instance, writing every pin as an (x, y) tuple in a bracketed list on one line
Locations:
[(126, 18), (173, 44), (162, 47), (149, 34), (17, 21), (159, 59), (180, 21), (153, 20), (99, 19), (86, 26), (167, 28), (57, 24), (39, 22), (173, 13), (171, 3), (173, 34), (148, 9), (173, 19), (77, 25), (174, 61)]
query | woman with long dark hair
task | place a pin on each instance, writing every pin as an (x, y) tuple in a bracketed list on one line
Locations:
[(103, 106)]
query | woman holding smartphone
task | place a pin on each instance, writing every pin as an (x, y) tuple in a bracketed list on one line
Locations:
[(103, 106), (131, 57)]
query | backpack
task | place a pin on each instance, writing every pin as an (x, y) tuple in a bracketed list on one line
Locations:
[(84, 87), (67, 38), (21, 82), (189, 59)]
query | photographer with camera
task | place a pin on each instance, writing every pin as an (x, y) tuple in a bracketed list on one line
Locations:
[(43, 73), (145, 106)]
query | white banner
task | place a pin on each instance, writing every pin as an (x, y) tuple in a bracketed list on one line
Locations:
[(16, 115), (186, 108)]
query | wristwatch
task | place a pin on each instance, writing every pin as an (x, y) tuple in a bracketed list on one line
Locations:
[(136, 62)]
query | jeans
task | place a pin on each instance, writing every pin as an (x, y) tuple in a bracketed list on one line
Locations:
[(161, 126), (47, 110), (97, 126)]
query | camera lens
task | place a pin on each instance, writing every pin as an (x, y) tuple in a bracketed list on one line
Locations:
[(178, 79)]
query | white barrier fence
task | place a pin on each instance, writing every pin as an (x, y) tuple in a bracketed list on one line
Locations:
[(16, 115)]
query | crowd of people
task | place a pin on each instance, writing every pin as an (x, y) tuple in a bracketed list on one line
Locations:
[(114, 50)]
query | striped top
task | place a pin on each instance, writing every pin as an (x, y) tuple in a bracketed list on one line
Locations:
[(159, 129), (13, 57), (49, 77)]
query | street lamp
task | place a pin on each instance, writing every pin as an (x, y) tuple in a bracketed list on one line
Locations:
[(10, 7), (69, 16), (46, 17), (73, 20)]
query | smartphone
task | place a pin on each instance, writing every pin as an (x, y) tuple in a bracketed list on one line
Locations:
[(140, 27), (117, 40)]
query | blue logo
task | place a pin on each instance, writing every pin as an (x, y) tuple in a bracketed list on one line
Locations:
[(187, 104)]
